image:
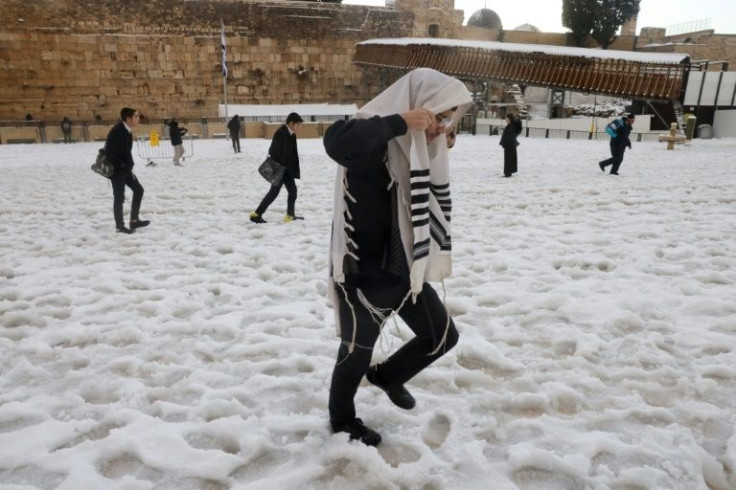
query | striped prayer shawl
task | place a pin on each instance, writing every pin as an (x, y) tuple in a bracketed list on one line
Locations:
[(421, 171)]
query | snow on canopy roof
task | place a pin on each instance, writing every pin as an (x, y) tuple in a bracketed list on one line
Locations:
[(636, 56)]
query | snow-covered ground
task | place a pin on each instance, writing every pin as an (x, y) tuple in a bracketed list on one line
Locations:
[(597, 317)]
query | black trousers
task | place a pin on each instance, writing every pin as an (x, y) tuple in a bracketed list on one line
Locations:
[(119, 181), (427, 318), (510, 160), (617, 156), (236, 141), (273, 192), (67, 136)]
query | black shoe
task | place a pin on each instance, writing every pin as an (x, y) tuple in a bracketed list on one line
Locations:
[(614, 173), (358, 432), (507, 175), (291, 217), (125, 230), (603, 167), (256, 218), (399, 395), (139, 223)]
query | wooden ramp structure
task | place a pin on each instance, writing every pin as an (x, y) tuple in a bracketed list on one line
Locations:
[(636, 75)]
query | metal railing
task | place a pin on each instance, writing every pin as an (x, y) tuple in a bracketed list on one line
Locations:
[(489, 130), (686, 27)]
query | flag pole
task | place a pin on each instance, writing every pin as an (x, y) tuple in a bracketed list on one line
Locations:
[(224, 64)]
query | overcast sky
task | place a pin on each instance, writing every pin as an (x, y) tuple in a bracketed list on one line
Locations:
[(546, 14)]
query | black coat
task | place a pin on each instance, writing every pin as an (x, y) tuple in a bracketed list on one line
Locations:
[(510, 132), (283, 150), (175, 133), (234, 125), (360, 145), (118, 148)]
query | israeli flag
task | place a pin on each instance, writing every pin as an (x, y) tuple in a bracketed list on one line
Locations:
[(224, 52)]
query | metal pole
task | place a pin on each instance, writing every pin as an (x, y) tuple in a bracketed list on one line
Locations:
[(593, 125), (224, 90)]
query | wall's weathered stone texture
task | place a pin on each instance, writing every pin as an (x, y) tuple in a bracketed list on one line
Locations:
[(701, 45), (87, 58)]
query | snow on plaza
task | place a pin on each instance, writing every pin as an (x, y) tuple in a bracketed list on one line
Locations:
[(597, 319)]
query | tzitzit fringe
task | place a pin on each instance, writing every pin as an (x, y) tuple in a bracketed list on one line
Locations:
[(381, 316), (447, 325)]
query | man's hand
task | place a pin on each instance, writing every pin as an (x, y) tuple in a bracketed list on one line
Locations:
[(418, 118), (628, 143)]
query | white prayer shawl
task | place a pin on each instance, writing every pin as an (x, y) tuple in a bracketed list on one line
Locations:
[(422, 173)]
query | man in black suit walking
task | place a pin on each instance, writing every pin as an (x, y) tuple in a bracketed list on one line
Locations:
[(283, 150), (234, 127), (118, 149)]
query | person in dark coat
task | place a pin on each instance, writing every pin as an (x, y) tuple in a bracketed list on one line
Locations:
[(283, 150), (175, 133), (392, 182), (118, 149), (234, 127), (509, 144), (66, 128), (619, 141)]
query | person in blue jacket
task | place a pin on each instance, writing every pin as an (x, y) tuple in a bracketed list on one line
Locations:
[(619, 131)]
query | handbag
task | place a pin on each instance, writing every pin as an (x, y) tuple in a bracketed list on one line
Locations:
[(272, 171), (102, 165)]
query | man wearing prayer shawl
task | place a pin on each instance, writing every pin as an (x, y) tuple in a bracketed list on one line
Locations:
[(390, 236)]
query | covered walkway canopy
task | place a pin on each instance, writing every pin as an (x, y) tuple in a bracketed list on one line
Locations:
[(636, 75)]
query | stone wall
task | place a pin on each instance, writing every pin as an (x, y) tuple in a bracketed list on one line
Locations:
[(86, 59), (701, 45)]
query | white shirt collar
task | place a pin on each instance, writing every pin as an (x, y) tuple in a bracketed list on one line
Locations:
[(127, 127)]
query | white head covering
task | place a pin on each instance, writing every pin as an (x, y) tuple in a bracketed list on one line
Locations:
[(422, 172)]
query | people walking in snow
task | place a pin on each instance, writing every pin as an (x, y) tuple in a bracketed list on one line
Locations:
[(618, 130), (176, 133), (118, 146), (234, 127), (284, 151), (509, 144), (390, 235), (66, 129)]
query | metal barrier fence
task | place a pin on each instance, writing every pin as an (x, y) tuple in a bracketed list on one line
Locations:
[(564, 133), (154, 148)]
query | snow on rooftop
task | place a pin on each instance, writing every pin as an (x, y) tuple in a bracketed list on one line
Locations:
[(637, 56)]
